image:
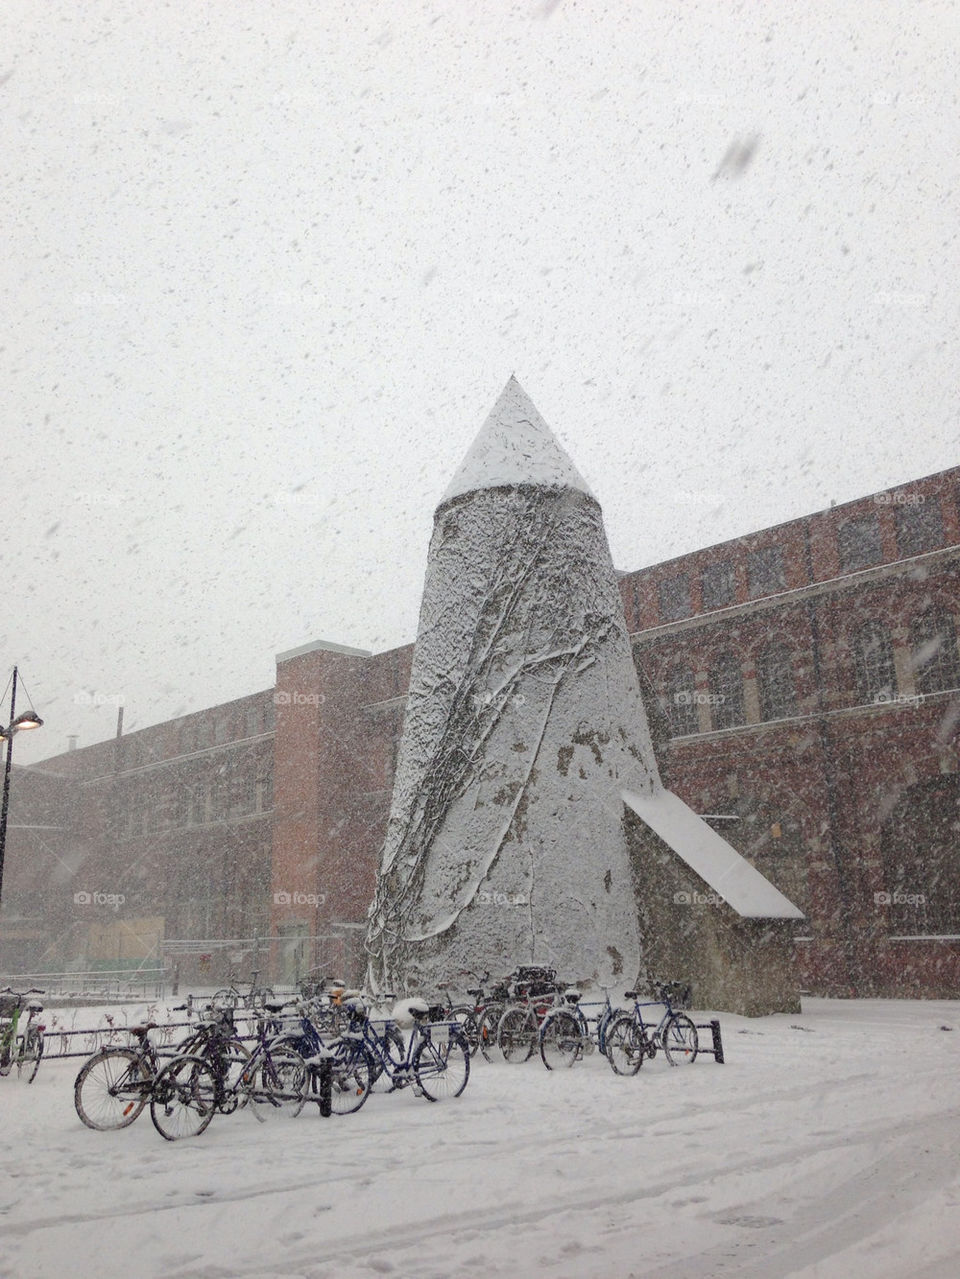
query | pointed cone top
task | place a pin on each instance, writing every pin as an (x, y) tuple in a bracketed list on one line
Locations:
[(514, 446)]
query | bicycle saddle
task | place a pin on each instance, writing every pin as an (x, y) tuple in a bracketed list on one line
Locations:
[(476, 993), (631, 994), (418, 1008), (143, 1029)]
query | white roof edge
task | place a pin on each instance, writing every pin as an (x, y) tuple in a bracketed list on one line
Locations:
[(326, 645), (708, 855)]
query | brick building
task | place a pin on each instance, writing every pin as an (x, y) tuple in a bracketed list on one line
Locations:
[(803, 686)]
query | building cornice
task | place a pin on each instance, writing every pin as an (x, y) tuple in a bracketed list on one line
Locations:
[(785, 599)]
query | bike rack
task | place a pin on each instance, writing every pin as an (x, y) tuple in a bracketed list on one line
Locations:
[(717, 1050)]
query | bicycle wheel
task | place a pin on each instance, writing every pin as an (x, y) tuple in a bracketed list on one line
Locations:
[(352, 1078), (625, 1046), (517, 1034), (441, 1066), (393, 1043), (111, 1089), (279, 1086), (679, 1040), (228, 1058), (561, 1039), (183, 1098), (466, 1019), (487, 1032), (33, 1051)]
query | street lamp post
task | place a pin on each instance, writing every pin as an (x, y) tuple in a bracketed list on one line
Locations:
[(18, 723)]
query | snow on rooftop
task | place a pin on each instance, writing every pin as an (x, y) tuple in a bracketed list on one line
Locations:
[(710, 856), (514, 446)]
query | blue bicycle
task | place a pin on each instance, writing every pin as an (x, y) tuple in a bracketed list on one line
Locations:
[(574, 1029), (630, 1039), (352, 1067), (435, 1061)]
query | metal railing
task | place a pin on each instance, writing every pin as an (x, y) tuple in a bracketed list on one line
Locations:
[(116, 983)]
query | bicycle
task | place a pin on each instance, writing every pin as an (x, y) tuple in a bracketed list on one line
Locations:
[(535, 994), (115, 1084), (351, 1073), (255, 998), (435, 1061), (568, 1033), (489, 1011), (630, 1039), (20, 1048), (189, 1090)]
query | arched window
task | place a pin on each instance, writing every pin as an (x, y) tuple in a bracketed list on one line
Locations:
[(934, 654), (682, 702), (775, 686), (726, 691), (873, 659)]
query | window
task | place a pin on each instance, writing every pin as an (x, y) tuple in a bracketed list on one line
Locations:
[(859, 543), (682, 702), (765, 571), (726, 691), (178, 805), (195, 804), (873, 659), (675, 598), (919, 525), (719, 585), (221, 729), (778, 696), (252, 721), (218, 795), (934, 655), (265, 790)]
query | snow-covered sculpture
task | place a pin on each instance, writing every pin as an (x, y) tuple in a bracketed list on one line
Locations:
[(524, 725)]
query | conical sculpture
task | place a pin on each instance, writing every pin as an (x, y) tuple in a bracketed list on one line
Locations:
[(524, 725)]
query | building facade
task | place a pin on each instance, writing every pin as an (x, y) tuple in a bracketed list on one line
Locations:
[(803, 689)]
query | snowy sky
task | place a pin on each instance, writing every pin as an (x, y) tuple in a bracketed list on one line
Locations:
[(267, 268)]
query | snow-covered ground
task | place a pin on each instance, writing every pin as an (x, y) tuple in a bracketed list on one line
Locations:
[(827, 1145)]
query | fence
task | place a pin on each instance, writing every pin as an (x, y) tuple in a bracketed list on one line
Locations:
[(117, 983)]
